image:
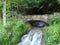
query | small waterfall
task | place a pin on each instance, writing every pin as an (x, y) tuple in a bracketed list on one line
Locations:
[(34, 37)]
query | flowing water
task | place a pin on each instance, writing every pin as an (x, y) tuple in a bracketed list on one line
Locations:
[(34, 37)]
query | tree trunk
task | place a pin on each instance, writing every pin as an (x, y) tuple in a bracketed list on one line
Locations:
[(4, 12)]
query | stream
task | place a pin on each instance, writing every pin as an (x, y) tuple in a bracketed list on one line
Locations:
[(34, 37)]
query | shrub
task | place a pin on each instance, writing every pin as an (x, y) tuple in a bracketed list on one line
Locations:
[(55, 20), (1, 24), (12, 32), (29, 6), (59, 1), (1, 6), (4, 37), (52, 34), (35, 3), (19, 30)]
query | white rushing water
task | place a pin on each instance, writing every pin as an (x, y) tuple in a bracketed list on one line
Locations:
[(34, 37)]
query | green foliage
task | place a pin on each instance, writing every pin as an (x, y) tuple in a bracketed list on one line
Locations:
[(55, 20), (34, 3), (22, 29), (12, 7), (12, 32), (59, 1), (31, 3), (1, 5), (52, 34), (1, 24), (4, 37)]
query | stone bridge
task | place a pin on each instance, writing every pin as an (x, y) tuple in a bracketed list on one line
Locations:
[(44, 17), (35, 17)]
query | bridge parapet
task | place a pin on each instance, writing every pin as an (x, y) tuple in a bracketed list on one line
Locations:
[(35, 17)]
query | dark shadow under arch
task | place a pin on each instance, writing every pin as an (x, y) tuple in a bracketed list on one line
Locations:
[(37, 23)]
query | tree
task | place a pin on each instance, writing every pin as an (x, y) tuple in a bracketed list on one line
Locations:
[(4, 12)]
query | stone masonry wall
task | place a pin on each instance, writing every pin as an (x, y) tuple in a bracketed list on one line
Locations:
[(44, 17), (35, 17)]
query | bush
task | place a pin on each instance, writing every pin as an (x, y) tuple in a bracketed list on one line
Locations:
[(12, 32), (35, 3), (29, 6), (59, 1), (19, 30), (4, 37), (15, 7), (52, 34), (55, 20), (1, 24)]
